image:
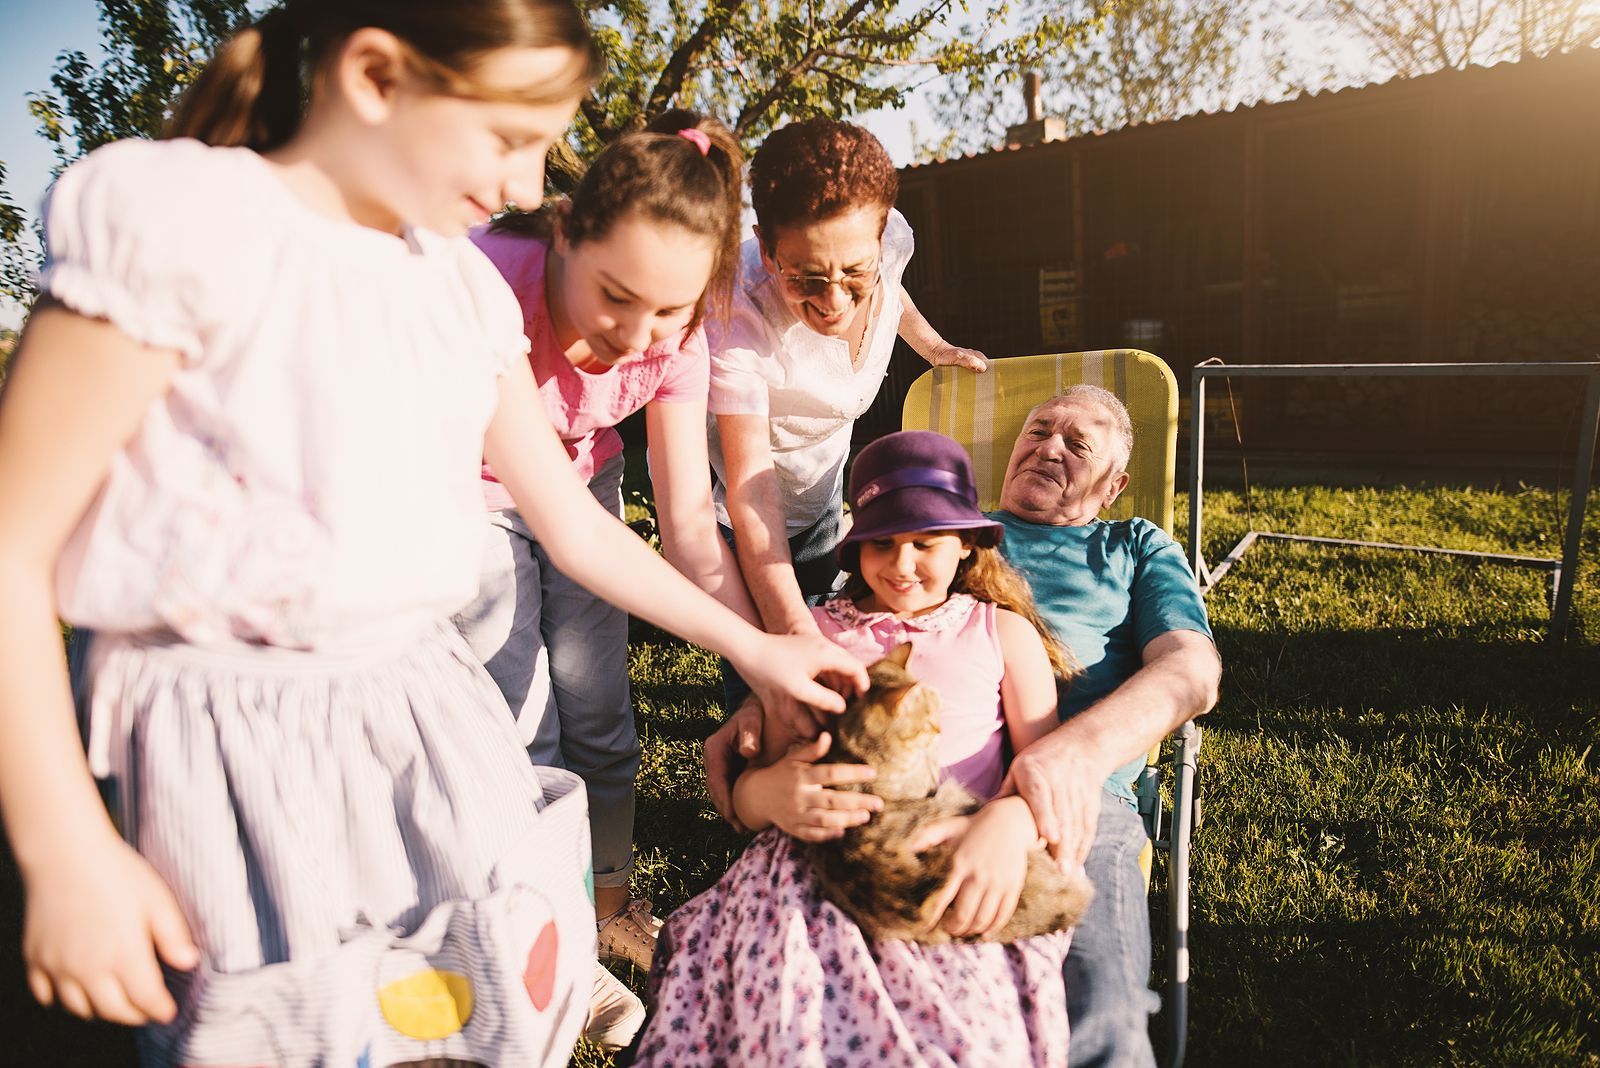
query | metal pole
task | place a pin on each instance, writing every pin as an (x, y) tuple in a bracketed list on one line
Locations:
[(1183, 801), (1197, 449), (1587, 433)]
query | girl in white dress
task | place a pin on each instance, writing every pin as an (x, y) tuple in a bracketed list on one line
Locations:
[(241, 441)]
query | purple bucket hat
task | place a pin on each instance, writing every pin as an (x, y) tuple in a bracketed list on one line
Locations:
[(912, 480)]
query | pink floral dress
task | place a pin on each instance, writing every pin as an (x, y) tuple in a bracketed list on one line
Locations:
[(762, 969)]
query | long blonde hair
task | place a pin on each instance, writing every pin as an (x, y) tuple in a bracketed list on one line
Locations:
[(253, 91), (986, 576)]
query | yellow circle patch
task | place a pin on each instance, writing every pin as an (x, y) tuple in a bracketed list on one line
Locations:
[(428, 1005)]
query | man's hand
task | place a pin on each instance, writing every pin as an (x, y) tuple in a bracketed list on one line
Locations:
[(1062, 786), (727, 751)]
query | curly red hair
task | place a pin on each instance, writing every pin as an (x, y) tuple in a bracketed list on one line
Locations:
[(816, 169)]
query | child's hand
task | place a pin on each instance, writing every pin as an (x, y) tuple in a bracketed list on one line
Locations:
[(988, 866), (795, 794), (726, 753), (94, 924), (783, 674)]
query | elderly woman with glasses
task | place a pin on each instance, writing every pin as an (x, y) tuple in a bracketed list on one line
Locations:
[(816, 312)]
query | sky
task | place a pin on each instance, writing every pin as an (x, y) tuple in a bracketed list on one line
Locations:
[(34, 32)]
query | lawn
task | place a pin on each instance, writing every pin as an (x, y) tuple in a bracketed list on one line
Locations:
[(1398, 863)]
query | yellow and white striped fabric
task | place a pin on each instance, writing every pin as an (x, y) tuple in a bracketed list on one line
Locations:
[(986, 412)]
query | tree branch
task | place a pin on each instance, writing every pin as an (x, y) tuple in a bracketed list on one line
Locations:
[(596, 117), (718, 14), (781, 82), (878, 61)]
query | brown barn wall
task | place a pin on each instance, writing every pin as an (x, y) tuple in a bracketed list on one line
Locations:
[(1449, 217)]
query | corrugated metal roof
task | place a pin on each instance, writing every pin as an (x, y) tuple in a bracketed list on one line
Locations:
[(1390, 84)]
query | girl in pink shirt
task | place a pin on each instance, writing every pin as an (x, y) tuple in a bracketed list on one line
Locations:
[(613, 286), (761, 968)]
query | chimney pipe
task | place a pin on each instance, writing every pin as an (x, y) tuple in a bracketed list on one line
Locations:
[(1032, 94)]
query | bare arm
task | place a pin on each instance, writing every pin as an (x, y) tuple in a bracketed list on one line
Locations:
[(927, 342), (680, 475), (96, 913), (1028, 688), (760, 530), (591, 547), (1062, 774), (989, 860)]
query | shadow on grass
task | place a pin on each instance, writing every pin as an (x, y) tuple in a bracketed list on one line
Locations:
[(1401, 824), (1352, 993), (1391, 669)]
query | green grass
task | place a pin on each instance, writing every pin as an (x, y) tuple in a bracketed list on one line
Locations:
[(1398, 861)]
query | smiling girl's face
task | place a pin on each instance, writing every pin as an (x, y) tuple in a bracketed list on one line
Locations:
[(613, 297), (911, 573)]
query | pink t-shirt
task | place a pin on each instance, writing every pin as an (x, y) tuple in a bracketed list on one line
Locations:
[(584, 407), (955, 649)]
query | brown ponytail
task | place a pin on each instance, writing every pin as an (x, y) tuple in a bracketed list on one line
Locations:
[(253, 92), (663, 176), (250, 92)]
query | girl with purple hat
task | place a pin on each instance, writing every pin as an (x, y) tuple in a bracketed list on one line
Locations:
[(761, 967)]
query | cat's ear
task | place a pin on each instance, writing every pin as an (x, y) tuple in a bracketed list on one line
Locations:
[(899, 654)]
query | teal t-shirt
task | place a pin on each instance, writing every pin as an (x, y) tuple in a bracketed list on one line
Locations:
[(1107, 589)]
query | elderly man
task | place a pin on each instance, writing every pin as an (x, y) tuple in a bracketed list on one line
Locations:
[(1120, 595)]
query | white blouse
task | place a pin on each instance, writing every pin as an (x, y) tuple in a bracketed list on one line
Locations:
[(311, 478), (764, 361)]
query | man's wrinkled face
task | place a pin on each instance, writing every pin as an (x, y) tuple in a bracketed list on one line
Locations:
[(1065, 466)]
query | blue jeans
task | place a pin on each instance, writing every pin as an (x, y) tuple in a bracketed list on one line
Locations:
[(816, 569), (1109, 1000), (560, 657)]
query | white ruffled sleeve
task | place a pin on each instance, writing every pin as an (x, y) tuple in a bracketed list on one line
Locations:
[(498, 312), (898, 245), (130, 238), (741, 349)]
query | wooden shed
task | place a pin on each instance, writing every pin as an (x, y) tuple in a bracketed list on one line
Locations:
[(1451, 217)]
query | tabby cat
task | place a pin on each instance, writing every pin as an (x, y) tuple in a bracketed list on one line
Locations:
[(869, 872)]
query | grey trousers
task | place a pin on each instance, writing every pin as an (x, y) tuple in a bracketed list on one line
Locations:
[(560, 656)]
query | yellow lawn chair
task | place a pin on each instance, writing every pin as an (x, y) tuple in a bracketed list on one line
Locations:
[(986, 413)]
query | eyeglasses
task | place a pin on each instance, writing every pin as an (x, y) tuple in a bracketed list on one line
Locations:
[(856, 283)]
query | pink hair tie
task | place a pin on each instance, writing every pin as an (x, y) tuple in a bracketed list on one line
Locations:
[(697, 138)]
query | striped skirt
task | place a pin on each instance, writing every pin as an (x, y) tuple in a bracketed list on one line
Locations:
[(372, 869)]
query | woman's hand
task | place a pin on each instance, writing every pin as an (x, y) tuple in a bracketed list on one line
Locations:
[(988, 866), (946, 354), (798, 795), (95, 922)]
